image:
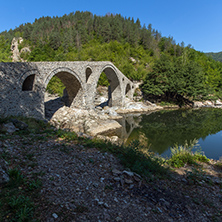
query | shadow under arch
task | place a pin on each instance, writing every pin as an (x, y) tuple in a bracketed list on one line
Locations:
[(28, 84), (114, 89), (73, 86)]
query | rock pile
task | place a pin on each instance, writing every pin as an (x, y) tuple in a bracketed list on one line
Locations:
[(132, 107), (126, 178)]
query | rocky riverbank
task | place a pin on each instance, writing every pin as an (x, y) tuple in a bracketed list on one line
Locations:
[(92, 122), (103, 119)]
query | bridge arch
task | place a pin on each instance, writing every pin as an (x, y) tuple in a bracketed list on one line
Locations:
[(28, 80), (88, 72), (71, 81), (115, 89)]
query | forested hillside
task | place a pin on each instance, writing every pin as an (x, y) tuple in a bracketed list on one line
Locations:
[(169, 70), (216, 56)]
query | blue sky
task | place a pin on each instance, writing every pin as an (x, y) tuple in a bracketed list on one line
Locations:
[(195, 22)]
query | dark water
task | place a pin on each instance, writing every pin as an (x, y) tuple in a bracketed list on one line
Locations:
[(163, 129)]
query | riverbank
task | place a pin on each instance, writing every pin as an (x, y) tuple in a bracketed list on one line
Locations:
[(56, 176), (104, 119), (92, 122)]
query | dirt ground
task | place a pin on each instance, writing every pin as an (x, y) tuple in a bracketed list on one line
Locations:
[(84, 184)]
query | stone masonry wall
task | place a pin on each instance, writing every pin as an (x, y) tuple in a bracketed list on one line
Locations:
[(23, 85)]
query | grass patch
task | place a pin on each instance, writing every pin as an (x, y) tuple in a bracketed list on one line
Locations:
[(35, 126), (181, 155), (146, 164), (66, 135), (17, 197), (132, 157)]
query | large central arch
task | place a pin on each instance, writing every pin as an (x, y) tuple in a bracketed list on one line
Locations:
[(73, 86)]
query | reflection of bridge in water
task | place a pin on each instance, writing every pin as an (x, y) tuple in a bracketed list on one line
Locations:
[(129, 122)]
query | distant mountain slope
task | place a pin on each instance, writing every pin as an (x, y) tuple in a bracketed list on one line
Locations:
[(216, 56)]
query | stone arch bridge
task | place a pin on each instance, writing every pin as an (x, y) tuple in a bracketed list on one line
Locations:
[(23, 85)]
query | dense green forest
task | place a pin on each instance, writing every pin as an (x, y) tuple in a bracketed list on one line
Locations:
[(217, 56), (5, 53), (169, 70)]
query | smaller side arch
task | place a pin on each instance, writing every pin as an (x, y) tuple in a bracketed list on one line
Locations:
[(88, 73), (127, 90), (28, 84), (28, 80)]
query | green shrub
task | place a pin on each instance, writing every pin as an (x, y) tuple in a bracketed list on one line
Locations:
[(103, 81), (181, 155)]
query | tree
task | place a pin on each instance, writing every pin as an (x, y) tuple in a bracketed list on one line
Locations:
[(174, 79)]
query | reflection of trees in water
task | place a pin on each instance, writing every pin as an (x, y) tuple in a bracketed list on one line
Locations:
[(166, 128)]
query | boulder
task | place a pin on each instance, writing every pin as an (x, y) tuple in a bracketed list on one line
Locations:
[(197, 104), (218, 103), (102, 126), (19, 124), (8, 128), (208, 103), (132, 107), (84, 121), (25, 50)]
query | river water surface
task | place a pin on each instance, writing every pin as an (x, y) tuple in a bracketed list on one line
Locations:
[(163, 129)]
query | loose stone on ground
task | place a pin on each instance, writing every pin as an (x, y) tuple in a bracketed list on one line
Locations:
[(84, 184)]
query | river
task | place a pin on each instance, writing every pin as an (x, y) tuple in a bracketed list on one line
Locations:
[(163, 129)]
